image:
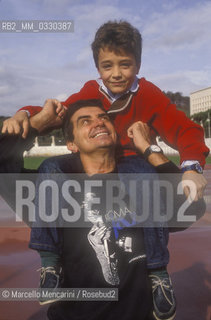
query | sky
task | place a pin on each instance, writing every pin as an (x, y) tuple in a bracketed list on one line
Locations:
[(36, 66)]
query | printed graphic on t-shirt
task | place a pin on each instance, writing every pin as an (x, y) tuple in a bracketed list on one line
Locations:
[(110, 241)]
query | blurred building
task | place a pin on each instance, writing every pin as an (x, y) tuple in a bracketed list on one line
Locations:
[(200, 101)]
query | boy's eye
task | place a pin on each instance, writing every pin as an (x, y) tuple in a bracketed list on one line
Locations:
[(106, 66), (125, 65)]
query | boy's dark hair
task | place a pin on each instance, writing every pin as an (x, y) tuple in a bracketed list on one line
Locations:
[(118, 36), (72, 108)]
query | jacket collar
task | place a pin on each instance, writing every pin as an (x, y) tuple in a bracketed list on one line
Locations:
[(119, 102), (113, 97)]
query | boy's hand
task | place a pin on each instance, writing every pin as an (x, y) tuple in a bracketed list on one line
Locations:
[(199, 184), (140, 133), (18, 124), (51, 116)]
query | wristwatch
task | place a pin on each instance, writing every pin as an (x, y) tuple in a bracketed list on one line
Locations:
[(152, 149), (195, 167)]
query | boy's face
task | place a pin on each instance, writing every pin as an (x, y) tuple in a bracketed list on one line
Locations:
[(117, 71)]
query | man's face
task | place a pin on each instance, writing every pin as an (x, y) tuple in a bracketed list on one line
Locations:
[(117, 71), (92, 130)]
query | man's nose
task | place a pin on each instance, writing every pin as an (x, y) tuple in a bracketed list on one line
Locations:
[(99, 122)]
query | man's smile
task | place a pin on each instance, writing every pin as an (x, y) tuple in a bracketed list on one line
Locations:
[(98, 134)]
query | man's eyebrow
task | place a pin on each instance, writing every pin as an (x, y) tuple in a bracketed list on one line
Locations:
[(100, 115)]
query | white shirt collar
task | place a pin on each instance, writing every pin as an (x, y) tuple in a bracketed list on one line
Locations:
[(114, 97)]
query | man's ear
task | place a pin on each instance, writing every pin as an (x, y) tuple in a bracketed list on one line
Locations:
[(72, 146)]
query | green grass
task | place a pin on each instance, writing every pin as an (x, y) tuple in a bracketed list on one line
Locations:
[(176, 159), (208, 160), (34, 162)]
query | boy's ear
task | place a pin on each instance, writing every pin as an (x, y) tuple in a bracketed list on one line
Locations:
[(72, 146)]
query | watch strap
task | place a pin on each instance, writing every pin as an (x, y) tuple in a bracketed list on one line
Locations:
[(149, 151)]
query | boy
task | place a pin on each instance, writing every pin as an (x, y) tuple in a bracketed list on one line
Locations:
[(117, 55), (135, 99)]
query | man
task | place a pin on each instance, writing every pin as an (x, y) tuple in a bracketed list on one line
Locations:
[(89, 131), (93, 257)]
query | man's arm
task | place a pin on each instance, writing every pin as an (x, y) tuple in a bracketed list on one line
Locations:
[(51, 116), (140, 134), (20, 122)]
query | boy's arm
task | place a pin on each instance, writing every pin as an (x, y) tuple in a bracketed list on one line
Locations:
[(174, 127)]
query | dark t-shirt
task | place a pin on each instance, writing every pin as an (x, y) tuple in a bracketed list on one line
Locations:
[(107, 253)]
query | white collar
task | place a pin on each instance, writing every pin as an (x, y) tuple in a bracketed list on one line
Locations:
[(114, 97)]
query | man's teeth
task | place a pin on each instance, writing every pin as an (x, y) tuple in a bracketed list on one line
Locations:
[(100, 134)]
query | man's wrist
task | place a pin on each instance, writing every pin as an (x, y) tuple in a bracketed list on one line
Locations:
[(142, 148), (27, 112), (152, 149), (39, 122)]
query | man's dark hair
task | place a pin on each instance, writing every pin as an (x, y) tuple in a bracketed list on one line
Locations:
[(72, 108), (118, 36)]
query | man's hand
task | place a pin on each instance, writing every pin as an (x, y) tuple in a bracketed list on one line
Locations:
[(198, 183), (140, 133), (51, 116), (18, 124)]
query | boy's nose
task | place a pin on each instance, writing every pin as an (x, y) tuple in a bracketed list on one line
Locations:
[(116, 72)]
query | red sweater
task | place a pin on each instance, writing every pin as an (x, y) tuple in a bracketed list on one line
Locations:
[(149, 105)]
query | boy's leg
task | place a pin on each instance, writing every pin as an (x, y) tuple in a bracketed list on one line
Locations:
[(155, 233), (47, 239), (155, 237)]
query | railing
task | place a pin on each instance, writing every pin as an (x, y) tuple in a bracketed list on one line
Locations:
[(54, 150)]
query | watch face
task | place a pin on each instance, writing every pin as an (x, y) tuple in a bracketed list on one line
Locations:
[(155, 148)]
